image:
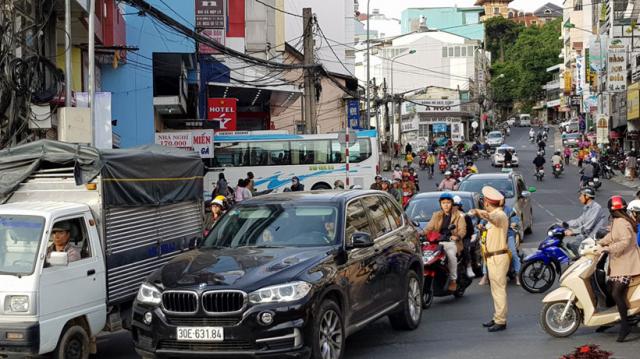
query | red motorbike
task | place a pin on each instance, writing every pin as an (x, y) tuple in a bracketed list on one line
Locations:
[(436, 272)]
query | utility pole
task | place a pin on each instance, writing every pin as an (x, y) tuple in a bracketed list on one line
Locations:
[(67, 54), (383, 126), (309, 73), (486, 84), (92, 71)]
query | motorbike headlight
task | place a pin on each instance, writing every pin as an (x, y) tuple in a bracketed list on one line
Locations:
[(149, 294), (16, 304), (282, 293), (550, 234)]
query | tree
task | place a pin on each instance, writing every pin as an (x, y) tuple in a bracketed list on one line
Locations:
[(500, 34)]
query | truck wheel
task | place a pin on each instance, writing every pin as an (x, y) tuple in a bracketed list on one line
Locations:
[(73, 344)]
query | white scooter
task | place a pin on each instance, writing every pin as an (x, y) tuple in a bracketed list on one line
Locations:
[(582, 296)]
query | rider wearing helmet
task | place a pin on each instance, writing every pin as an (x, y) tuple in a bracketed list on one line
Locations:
[(624, 258), (634, 210), (556, 159), (441, 222), (448, 183), (592, 219), (466, 242), (589, 171), (539, 161), (217, 210), (471, 168)]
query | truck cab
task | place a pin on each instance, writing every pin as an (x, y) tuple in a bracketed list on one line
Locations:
[(47, 302)]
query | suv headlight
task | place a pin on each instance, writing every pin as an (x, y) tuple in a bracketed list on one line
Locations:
[(289, 292), (16, 304), (149, 294)]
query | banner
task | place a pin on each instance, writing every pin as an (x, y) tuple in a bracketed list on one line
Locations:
[(568, 81), (580, 75), (224, 111), (353, 114), (602, 130), (200, 141), (617, 67), (433, 106), (633, 102), (211, 22), (457, 132)]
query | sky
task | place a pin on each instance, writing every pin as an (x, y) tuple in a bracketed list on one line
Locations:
[(393, 8)]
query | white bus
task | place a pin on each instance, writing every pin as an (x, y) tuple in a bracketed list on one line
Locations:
[(275, 157)]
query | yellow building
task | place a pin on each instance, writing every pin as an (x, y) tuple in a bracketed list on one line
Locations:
[(494, 8)]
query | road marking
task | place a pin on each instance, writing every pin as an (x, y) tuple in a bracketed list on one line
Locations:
[(546, 210)]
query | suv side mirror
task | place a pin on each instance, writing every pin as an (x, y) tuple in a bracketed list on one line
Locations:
[(58, 259), (361, 240), (525, 194)]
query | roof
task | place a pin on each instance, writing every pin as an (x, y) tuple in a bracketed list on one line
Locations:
[(553, 10), (309, 197), (482, 2), (43, 208)]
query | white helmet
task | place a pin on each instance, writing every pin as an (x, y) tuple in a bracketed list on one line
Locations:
[(457, 200), (448, 173), (594, 160), (634, 206)]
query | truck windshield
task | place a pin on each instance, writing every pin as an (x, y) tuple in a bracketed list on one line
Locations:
[(19, 243), (276, 225)]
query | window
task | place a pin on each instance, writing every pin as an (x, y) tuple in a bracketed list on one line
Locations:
[(357, 220), (451, 52), (359, 152), (373, 205), (444, 51), (423, 130), (457, 51), (470, 50), (577, 5), (394, 214), (463, 51), (510, 15), (229, 154), (309, 152), (270, 153), (74, 232), (496, 11), (533, 22)]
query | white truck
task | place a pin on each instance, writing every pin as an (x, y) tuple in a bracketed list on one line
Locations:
[(127, 213)]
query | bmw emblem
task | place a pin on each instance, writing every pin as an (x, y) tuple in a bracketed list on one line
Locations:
[(202, 286)]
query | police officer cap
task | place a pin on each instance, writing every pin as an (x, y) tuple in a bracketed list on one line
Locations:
[(492, 195)]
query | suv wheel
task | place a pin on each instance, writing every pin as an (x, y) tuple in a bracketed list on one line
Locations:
[(327, 335), (408, 318)]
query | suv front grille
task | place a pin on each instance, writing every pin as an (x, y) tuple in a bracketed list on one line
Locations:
[(180, 301), (223, 301), (227, 345), (203, 322)]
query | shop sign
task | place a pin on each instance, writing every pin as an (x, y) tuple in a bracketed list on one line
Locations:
[(431, 106), (567, 82), (410, 125), (457, 131), (223, 111), (602, 129), (633, 102), (200, 141), (617, 67), (575, 100), (211, 22), (580, 75), (353, 114)]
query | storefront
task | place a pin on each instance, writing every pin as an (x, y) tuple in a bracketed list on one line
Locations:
[(632, 116)]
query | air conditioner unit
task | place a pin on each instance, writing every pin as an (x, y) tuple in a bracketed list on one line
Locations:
[(74, 124)]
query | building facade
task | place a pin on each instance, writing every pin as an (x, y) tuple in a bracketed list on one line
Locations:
[(462, 21)]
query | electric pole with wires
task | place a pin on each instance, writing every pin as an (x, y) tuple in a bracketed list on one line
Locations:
[(310, 99)]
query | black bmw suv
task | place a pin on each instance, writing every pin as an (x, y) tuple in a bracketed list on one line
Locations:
[(285, 275)]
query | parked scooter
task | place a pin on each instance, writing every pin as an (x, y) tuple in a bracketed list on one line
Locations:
[(539, 174), (557, 170), (436, 274), (583, 296), (539, 269)]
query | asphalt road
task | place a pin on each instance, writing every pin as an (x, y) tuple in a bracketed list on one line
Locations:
[(451, 328)]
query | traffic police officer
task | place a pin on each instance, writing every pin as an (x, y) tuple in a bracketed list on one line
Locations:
[(497, 256)]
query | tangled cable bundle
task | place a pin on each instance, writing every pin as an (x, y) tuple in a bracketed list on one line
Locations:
[(29, 78)]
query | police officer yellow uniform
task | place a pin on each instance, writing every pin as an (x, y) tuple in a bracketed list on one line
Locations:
[(497, 256)]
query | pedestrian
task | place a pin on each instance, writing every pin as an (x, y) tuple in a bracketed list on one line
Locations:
[(377, 185), (580, 157), (624, 258), (631, 164), (497, 256), (221, 188), (409, 159), (217, 210), (338, 184), (251, 184), (242, 192), (567, 155), (296, 186), (408, 149)]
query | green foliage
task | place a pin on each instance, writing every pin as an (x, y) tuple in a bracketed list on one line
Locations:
[(500, 34), (523, 72)]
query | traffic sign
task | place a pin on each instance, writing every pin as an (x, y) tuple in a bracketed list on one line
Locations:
[(474, 124)]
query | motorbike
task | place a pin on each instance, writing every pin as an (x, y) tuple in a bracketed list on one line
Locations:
[(423, 163), (442, 165), (583, 297), (539, 174), (594, 183), (557, 170), (532, 139), (539, 269), (436, 273), (607, 171)]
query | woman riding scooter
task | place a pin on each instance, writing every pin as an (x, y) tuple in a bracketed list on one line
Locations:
[(624, 258)]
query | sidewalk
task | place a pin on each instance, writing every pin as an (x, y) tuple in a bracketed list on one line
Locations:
[(618, 178)]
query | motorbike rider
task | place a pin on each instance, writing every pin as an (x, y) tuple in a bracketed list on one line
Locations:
[(448, 183), (592, 219), (634, 211), (539, 161), (408, 189), (541, 145), (471, 168), (624, 258), (440, 222), (413, 177), (387, 187), (556, 159), (508, 158), (466, 241), (397, 172), (588, 172), (532, 133), (377, 185), (567, 155), (431, 162)]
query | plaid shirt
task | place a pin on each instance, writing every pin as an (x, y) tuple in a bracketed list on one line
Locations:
[(72, 253)]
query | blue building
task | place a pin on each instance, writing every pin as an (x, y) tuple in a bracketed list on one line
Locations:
[(131, 84), (462, 21)]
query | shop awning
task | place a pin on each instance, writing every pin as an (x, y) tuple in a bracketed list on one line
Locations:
[(277, 98)]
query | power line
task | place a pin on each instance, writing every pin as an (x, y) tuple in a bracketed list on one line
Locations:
[(276, 9)]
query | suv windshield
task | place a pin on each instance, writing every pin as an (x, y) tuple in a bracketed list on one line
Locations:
[(421, 210), (19, 243), (475, 185), (276, 225), (495, 135)]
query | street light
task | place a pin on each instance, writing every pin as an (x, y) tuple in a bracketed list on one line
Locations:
[(393, 107)]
